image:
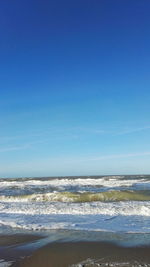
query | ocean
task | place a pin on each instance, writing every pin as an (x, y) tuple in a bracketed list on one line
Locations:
[(105, 204)]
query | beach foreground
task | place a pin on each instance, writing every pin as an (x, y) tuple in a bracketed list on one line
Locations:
[(21, 251)]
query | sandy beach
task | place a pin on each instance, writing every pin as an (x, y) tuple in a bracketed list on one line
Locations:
[(16, 252)]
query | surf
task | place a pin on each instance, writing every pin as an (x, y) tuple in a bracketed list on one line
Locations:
[(109, 196)]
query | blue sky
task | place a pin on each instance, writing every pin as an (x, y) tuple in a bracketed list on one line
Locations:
[(74, 87)]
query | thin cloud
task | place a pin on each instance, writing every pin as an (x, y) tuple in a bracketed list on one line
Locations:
[(14, 148), (23, 146), (112, 131), (118, 156), (63, 133), (133, 130), (103, 157)]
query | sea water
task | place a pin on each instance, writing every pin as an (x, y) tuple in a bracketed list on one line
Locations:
[(113, 207)]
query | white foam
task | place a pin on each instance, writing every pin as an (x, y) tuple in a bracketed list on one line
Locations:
[(105, 223), (4, 263), (97, 216), (112, 181), (87, 208), (99, 263)]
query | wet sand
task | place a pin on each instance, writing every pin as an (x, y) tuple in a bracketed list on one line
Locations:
[(16, 239), (13, 247), (66, 254)]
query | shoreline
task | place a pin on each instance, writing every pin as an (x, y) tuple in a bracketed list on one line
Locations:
[(72, 253), (20, 250), (14, 246)]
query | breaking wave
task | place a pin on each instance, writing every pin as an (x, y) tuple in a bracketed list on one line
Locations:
[(108, 196), (110, 203)]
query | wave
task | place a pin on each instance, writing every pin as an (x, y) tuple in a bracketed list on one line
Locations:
[(112, 181), (87, 208), (98, 216), (109, 196), (98, 262)]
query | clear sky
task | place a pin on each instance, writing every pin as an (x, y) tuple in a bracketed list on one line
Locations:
[(74, 87)]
